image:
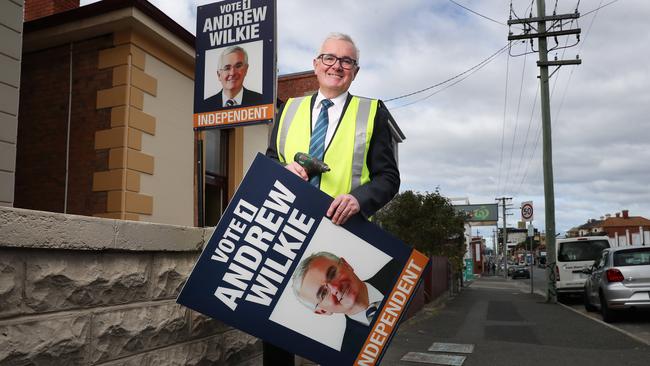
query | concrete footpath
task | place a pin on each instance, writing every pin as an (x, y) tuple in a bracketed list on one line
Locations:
[(509, 326)]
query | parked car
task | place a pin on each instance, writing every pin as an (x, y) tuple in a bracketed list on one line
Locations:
[(521, 271), (618, 279), (573, 255)]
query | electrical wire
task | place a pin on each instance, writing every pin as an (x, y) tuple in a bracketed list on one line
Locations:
[(556, 118), (476, 13), (573, 69), (479, 65), (442, 89), (523, 149), (514, 133), (503, 126), (599, 7)]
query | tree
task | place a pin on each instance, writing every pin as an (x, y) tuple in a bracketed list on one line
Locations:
[(428, 222)]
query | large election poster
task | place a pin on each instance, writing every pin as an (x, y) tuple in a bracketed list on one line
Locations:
[(277, 268), (235, 81)]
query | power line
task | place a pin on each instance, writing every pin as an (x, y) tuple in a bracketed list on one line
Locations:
[(557, 113), (600, 7), (479, 65), (514, 134), (503, 126), (440, 90), (523, 149), (476, 13)]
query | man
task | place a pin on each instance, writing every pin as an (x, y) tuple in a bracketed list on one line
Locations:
[(357, 148), (233, 66), (349, 133), (327, 284)]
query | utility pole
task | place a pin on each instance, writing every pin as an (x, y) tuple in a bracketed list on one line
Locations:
[(547, 157), (505, 236)]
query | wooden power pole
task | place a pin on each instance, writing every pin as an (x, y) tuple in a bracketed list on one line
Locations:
[(549, 195)]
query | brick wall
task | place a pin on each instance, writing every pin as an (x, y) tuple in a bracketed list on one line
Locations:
[(86, 119), (40, 8), (296, 85), (42, 128), (42, 121), (77, 290)]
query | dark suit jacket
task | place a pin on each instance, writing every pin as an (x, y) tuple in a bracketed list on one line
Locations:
[(248, 98), (355, 332), (384, 174)]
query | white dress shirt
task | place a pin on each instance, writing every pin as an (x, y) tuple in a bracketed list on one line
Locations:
[(374, 296), (237, 98)]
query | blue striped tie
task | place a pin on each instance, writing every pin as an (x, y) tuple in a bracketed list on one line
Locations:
[(317, 142)]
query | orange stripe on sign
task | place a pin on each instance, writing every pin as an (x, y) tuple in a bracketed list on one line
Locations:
[(386, 321), (231, 116)]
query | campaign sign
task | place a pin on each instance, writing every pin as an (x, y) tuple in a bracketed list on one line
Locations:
[(235, 64), (277, 268)]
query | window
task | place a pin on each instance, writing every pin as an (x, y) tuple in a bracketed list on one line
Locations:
[(632, 257)]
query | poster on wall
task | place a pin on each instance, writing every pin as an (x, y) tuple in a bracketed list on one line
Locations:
[(235, 81), (275, 267)]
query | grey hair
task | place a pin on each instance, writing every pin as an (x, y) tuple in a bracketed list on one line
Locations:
[(342, 37), (233, 49), (299, 275)]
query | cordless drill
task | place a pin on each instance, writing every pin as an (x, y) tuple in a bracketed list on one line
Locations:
[(312, 165)]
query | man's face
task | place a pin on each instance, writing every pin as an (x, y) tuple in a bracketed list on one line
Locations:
[(335, 80), (232, 73), (337, 281)]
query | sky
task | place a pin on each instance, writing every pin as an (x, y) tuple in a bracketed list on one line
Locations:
[(480, 138)]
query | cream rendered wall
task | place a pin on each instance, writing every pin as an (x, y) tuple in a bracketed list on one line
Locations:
[(11, 28), (256, 139), (172, 184)]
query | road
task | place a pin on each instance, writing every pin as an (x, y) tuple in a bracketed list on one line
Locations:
[(635, 324), (505, 325)]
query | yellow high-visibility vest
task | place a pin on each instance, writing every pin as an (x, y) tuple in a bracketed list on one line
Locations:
[(347, 151)]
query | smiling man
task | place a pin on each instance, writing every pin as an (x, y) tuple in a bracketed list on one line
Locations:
[(327, 284), (233, 67), (349, 133)]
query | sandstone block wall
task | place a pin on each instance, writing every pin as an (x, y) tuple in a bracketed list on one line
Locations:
[(78, 290)]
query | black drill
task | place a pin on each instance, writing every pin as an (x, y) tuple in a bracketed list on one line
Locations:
[(312, 165)]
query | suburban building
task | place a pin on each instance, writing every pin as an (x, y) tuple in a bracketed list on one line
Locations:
[(624, 229), (11, 42)]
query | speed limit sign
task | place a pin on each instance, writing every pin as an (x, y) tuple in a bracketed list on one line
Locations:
[(527, 211)]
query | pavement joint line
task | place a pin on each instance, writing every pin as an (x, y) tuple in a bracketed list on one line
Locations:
[(436, 359), (636, 338), (464, 348)]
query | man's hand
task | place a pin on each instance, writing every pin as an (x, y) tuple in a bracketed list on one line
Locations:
[(343, 206), (298, 170)]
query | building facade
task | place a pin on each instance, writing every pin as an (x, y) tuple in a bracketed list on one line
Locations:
[(105, 118), (11, 36), (623, 229)]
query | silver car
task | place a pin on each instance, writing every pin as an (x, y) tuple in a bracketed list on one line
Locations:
[(618, 279)]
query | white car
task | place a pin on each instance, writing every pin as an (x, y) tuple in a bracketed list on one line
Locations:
[(573, 255)]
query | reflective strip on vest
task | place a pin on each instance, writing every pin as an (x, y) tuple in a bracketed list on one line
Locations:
[(359, 156), (350, 142), (289, 115)]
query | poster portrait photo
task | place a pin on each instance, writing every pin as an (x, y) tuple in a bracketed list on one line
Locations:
[(332, 327), (233, 76)]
